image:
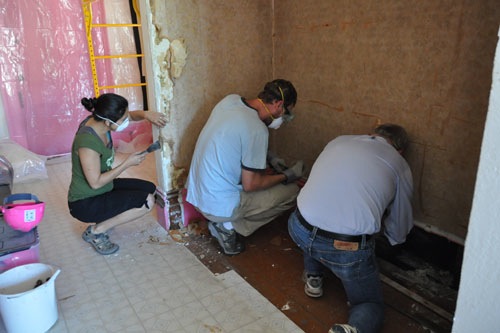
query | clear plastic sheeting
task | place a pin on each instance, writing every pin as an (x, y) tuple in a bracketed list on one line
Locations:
[(45, 71), (120, 41), (27, 166)]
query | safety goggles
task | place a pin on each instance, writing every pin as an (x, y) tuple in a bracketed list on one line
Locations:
[(287, 114)]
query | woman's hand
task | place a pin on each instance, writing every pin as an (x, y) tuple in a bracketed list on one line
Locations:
[(134, 159), (157, 118), (91, 166)]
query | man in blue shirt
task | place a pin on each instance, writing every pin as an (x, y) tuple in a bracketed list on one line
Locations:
[(227, 181), (357, 182)]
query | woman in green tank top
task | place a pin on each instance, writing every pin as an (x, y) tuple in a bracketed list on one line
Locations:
[(96, 194)]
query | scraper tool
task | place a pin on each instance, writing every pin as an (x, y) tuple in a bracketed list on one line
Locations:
[(154, 146)]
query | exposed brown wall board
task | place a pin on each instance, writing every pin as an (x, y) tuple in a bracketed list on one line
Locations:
[(423, 64), (229, 51)]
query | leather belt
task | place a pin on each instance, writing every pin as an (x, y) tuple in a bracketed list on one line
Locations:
[(329, 234)]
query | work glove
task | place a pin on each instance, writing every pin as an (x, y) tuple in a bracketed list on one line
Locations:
[(294, 173), (278, 164)]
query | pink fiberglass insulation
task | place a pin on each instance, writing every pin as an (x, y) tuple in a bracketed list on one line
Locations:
[(45, 71)]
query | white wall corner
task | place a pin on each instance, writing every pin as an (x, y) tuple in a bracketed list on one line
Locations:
[(479, 291)]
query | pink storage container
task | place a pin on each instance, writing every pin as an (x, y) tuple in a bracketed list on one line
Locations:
[(189, 213), (17, 247), (173, 210)]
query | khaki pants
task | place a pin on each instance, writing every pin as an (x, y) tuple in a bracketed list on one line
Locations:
[(259, 208)]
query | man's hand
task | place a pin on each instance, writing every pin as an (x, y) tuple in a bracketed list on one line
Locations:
[(294, 173), (278, 164)]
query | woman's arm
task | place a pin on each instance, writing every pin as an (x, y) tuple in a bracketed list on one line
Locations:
[(91, 166), (156, 118)]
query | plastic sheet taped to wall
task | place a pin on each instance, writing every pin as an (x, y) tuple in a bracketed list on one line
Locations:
[(118, 70), (45, 71)]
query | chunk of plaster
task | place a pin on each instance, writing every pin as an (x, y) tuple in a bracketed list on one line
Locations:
[(178, 57)]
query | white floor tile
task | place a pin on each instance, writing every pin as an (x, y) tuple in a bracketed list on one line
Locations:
[(152, 284)]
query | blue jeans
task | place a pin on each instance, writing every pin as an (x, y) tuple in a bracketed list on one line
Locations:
[(357, 270)]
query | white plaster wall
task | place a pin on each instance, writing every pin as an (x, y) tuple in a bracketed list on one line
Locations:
[(479, 293)]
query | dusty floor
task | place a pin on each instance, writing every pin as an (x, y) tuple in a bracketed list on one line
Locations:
[(153, 284), (272, 264)]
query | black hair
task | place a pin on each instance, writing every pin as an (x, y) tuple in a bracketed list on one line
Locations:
[(272, 92), (110, 106), (395, 133)]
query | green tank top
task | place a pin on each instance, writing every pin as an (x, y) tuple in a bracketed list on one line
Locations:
[(87, 138)]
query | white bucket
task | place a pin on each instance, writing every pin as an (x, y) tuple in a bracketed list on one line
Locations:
[(24, 307)]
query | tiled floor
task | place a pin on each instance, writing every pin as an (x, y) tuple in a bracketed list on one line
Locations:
[(152, 284)]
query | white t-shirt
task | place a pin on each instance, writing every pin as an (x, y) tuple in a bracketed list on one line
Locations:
[(233, 138), (352, 183)]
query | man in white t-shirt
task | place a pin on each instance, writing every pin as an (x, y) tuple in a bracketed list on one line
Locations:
[(227, 181), (357, 183)]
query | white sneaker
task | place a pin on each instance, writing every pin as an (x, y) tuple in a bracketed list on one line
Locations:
[(342, 328), (313, 286)]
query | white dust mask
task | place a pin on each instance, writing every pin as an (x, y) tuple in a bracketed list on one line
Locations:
[(123, 125), (276, 123), (120, 127)]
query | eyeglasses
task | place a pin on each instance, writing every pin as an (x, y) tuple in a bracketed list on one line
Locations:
[(286, 114)]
